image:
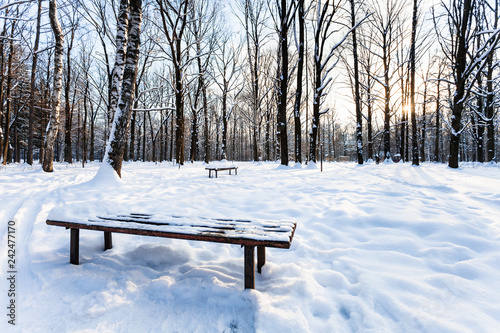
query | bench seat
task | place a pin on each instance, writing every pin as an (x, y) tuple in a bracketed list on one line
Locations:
[(217, 169), (247, 233)]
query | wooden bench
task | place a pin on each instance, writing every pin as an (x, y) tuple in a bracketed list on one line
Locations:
[(217, 169), (250, 234)]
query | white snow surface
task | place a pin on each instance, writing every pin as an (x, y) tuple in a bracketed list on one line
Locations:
[(378, 248)]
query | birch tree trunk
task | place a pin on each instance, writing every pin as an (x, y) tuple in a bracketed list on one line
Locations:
[(53, 126), (121, 122), (121, 47)]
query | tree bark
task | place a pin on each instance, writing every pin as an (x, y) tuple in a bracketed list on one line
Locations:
[(121, 48), (490, 98), (298, 93), (121, 122), (461, 81), (438, 119), (357, 96), (283, 87), (53, 126), (415, 150), (68, 147), (32, 85)]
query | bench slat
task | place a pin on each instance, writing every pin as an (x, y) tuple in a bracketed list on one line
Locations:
[(233, 231)]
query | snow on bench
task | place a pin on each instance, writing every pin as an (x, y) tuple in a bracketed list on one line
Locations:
[(247, 233)]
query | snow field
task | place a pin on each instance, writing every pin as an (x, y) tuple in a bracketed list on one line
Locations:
[(378, 248)]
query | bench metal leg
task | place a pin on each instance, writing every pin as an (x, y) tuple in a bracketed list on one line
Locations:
[(249, 267), (74, 251), (261, 257), (108, 242)]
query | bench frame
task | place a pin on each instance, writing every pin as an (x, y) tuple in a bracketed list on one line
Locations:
[(215, 169), (248, 244)]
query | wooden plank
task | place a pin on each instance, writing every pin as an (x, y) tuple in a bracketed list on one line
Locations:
[(249, 267), (74, 244), (199, 237), (232, 231)]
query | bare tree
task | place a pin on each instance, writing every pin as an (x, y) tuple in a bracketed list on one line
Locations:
[(174, 19), (366, 60), (226, 77), (254, 21), (490, 86), (68, 145), (357, 94), (457, 48), (415, 150), (286, 12), (204, 27), (34, 62), (324, 27), (385, 23), (121, 48), (8, 92), (300, 75), (121, 121), (53, 126)]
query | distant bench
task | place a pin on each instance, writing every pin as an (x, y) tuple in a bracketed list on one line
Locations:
[(215, 169), (250, 234)]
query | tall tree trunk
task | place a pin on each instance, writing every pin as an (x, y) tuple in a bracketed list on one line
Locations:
[(121, 48), (300, 75), (283, 85), (224, 122), (438, 120), (315, 116), (458, 97), (45, 116), (424, 125), (179, 115), (132, 135), (118, 136), (2, 80), (490, 97), (32, 85), (415, 150), (84, 130), (68, 147), (53, 126), (357, 96), (387, 106), (206, 115), (8, 92), (144, 137)]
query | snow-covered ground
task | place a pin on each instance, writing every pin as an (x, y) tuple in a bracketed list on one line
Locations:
[(378, 248)]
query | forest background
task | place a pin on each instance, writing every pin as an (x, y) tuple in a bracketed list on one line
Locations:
[(256, 80)]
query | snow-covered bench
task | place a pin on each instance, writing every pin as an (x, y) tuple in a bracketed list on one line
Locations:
[(217, 169), (247, 233)]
